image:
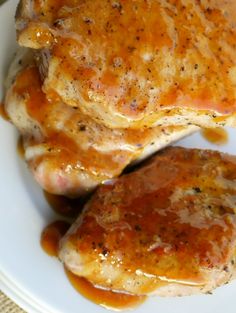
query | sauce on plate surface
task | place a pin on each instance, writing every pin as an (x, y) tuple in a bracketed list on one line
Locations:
[(52, 235), (105, 298), (217, 136)]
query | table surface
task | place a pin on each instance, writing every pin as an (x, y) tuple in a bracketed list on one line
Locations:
[(8, 306)]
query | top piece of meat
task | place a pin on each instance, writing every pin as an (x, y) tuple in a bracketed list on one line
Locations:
[(137, 63)]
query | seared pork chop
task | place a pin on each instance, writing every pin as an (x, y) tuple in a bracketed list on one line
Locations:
[(135, 63), (168, 228), (67, 151)]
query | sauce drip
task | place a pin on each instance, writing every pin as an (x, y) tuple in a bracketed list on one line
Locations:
[(105, 298), (217, 136), (20, 147), (65, 206), (52, 235), (50, 239), (3, 112)]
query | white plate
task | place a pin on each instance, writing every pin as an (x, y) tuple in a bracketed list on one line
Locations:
[(31, 278)]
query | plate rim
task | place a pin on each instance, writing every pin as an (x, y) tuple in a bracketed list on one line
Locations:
[(22, 299)]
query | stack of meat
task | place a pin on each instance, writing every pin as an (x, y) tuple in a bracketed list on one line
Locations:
[(103, 84)]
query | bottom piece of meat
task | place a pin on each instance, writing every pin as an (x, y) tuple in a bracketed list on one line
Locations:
[(169, 228)]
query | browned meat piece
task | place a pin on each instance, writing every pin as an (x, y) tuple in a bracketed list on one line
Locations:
[(67, 151), (167, 229), (136, 63)]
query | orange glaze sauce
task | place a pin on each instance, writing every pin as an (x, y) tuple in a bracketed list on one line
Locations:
[(3, 112), (50, 239), (217, 136), (105, 298), (52, 235)]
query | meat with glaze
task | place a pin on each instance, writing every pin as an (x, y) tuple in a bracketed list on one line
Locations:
[(68, 152), (135, 63), (169, 228)]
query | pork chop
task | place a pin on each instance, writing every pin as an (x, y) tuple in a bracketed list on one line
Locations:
[(136, 63), (68, 152), (168, 228)]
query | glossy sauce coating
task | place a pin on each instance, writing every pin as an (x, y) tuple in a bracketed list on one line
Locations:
[(105, 298), (217, 136), (52, 235), (3, 112), (176, 54)]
